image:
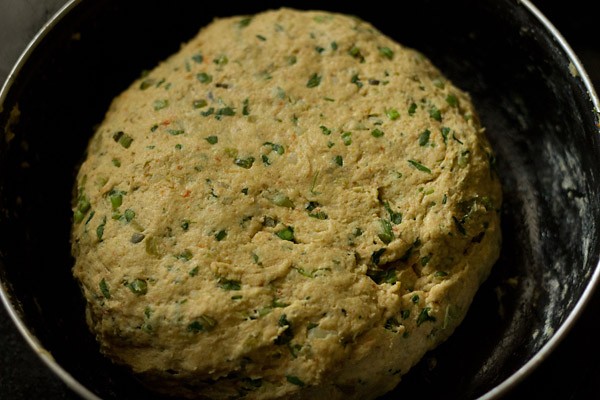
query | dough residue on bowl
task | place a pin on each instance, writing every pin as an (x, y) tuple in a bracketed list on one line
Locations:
[(292, 206)]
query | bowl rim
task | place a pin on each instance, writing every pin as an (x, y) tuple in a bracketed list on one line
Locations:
[(576, 69)]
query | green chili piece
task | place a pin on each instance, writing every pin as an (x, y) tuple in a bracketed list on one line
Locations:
[(104, 289), (386, 234)]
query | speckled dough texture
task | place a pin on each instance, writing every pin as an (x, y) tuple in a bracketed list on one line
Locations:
[(292, 206)]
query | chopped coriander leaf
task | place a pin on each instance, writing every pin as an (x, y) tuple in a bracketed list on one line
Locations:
[(265, 160), (229, 284), (203, 77), (319, 215), (221, 60), (386, 52), (286, 233), (355, 53), (244, 162), (347, 138), (208, 112), (100, 229), (185, 255), (185, 225), (334, 46), (395, 217), (415, 299), (405, 314), (279, 149), (424, 316), (225, 111), (356, 80), (104, 289), (160, 104), (244, 22), (204, 323), (424, 137), (261, 38), (153, 128), (313, 81), (291, 60), (246, 107), (377, 133), (199, 103), (116, 162), (440, 274), (330, 145), (412, 109), (138, 287), (193, 271), (212, 139), (425, 260), (385, 231), (325, 130), (339, 160), (198, 58), (282, 200), (123, 139), (435, 113), (294, 380), (222, 234), (452, 100), (175, 132), (445, 131), (319, 49), (419, 166), (392, 114), (146, 83)]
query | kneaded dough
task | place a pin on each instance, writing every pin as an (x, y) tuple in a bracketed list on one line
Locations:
[(292, 206)]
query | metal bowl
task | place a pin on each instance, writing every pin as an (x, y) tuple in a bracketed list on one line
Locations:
[(533, 95)]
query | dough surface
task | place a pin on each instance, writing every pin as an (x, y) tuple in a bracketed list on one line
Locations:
[(292, 206)]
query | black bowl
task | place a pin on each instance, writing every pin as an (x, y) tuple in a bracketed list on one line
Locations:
[(536, 101)]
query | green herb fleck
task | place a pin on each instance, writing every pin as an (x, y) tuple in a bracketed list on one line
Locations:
[(116, 162), (208, 112), (244, 162), (392, 324), (355, 53), (244, 22), (123, 139), (356, 80), (386, 52), (212, 139), (185, 255), (385, 232), (459, 225), (282, 200), (100, 229), (160, 104), (139, 287), (319, 215), (222, 234), (347, 138), (377, 133), (424, 137), (445, 131), (199, 103), (395, 217), (279, 149), (313, 81), (452, 100), (224, 112), (334, 46), (286, 233), (415, 298), (435, 113), (419, 166), (204, 323), (198, 58), (424, 316), (229, 284), (261, 38), (104, 289), (291, 60), (175, 132), (440, 274), (203, 77), (221, 60), (392, 114), (325, 130), (339, 160), (193, 271), (246, 107), (294, 380), (412, 109)]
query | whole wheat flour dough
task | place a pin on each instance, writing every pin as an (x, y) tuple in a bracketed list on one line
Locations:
[(292, 206)]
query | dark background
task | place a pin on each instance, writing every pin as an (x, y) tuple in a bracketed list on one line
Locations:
[(571, 372)]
